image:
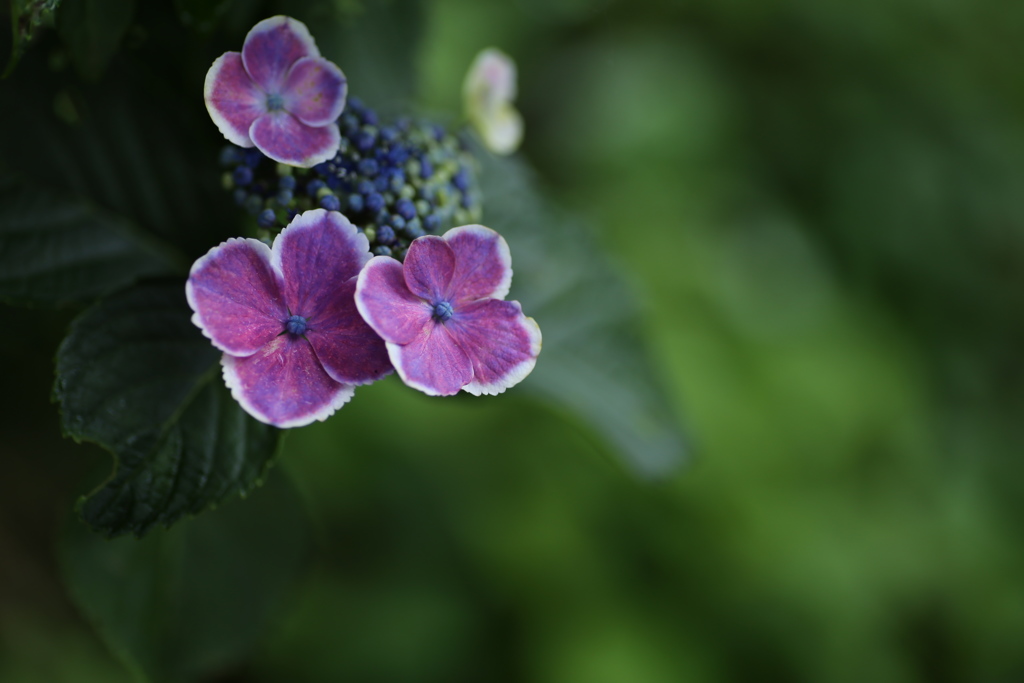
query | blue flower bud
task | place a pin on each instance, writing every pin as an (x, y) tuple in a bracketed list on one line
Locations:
[(284, 197), (355, 203), (374, 202), (330, 202), (385, 235), (286, 182), (242, 175), (365, 187), (364, 140), (406, 209), (252, 157), (432, 222), (382, 251), (267, 218), (314, 186), (396, 181), (368, 167), (461, 179)]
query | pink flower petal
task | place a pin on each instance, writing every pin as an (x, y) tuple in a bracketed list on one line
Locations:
[(283, 384), (284, 138), (483, 264), (432, 362), (501, 342), (349, 350), (386, 304), (272, 46), (232, 98), (314, 91), (236, 295), (429, 268), (316, 254)]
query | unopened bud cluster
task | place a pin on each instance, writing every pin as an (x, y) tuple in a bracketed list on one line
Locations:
[(395, 182)]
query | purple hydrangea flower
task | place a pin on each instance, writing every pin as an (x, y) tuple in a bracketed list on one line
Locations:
[(285, 317), (278, 94), (443, 316)]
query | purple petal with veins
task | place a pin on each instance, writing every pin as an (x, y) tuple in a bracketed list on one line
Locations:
[(236, 295), (501, 342), (283, 384), (385, 302), (483, 263), (350, 351), (432, 362), (284, 138), (314, 91), (232, 98), (316, 254), (429, 268), (272, 46)]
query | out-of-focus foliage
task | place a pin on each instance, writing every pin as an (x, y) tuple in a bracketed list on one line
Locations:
[(187, 603), (27, 17), (595, 363), (819, 205), (92, 31)]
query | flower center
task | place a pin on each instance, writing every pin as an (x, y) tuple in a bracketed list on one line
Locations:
[(296, 325), (442, 312), (275, 102)]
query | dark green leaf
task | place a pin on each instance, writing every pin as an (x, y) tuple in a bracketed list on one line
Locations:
[(55, 251), (135, 376), (188, 602), (374, 42), (594, 361), (27, 16), (128, 144), (92, 31)]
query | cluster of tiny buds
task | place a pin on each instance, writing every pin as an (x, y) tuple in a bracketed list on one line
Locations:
[(395, 182)]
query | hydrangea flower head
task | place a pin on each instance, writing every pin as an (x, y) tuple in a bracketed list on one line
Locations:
[(278, 94), (285, 317), (396, 180), (444, 317), (488, 92)]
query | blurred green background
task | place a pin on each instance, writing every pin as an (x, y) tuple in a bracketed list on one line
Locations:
[(821, 206)]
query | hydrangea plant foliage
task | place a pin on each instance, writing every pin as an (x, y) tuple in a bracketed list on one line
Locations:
[(393, 181), (116, 183)]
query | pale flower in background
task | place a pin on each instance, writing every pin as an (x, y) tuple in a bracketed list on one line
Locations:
[(488, 92)]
